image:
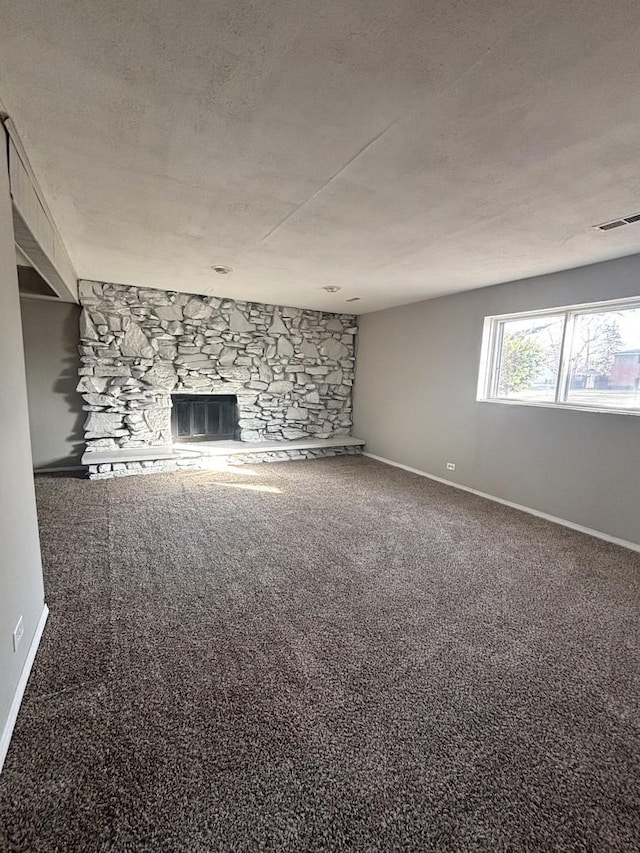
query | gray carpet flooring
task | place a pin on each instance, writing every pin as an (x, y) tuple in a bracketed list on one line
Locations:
[(326, 655)]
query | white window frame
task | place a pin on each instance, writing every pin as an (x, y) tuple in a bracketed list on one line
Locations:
[(488, 376)]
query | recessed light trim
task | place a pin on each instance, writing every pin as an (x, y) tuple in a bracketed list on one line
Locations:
[(221, 269), (331, 288)]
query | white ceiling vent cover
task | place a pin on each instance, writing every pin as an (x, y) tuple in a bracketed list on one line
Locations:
[(35, 232)]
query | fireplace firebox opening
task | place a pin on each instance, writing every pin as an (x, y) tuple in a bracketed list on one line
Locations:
[(204, 417)]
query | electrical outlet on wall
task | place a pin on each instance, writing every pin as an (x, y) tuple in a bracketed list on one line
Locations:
[(451, 466), (18, 631)]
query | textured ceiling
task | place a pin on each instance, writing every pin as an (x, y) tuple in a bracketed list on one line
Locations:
[(400, 150)]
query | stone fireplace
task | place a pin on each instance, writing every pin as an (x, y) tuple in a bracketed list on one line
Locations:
[(151, 358)]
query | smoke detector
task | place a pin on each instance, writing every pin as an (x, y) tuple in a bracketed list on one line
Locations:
[(221, 269)]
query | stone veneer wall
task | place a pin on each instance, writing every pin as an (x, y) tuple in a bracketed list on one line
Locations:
[(291, 369)]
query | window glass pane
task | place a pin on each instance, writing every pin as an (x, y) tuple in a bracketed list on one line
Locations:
[(605, 360), (529, 358)]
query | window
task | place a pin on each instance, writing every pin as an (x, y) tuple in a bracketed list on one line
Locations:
[(580, 357)]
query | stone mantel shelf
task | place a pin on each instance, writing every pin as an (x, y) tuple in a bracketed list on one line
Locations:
[(214, 448)]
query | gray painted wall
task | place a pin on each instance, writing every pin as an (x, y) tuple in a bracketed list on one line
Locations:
[(51, 356), (21, 588), (416, 379)]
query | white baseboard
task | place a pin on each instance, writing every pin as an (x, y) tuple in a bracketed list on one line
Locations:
[(633, 546), (5, 739)]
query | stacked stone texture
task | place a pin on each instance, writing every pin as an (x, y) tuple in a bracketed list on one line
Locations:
[(107, 471), (291, 369)]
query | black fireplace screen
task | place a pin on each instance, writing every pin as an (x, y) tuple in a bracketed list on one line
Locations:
[(200, 417)]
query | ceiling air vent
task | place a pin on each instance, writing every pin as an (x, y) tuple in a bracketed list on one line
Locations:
[(618, 223)]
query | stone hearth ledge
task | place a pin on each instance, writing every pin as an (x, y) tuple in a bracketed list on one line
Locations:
[(195, 449)]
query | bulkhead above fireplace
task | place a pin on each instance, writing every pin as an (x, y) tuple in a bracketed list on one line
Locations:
[(204, 417)]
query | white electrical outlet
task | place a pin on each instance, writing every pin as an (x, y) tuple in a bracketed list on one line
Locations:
[(18, 631), (451, 466)]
